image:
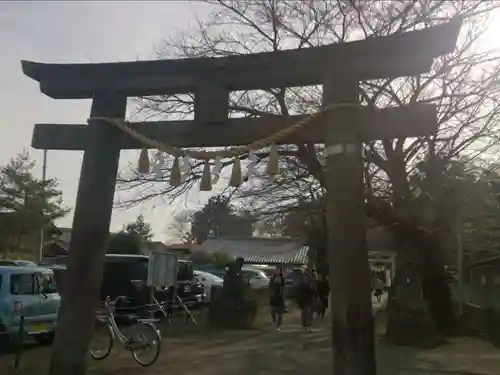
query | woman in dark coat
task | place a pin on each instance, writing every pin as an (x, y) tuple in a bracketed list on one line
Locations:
[(307, 298), (323, 293), (277, 298)]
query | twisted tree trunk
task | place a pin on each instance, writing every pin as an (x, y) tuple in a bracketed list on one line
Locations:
[(421, 299)]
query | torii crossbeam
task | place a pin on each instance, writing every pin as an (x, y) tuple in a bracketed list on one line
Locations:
[(339, 68)]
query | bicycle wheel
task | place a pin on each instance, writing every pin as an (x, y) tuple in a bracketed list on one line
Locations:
[(146, 343), (102, 341)]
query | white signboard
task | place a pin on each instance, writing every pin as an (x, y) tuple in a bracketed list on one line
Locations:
[(162, 270)]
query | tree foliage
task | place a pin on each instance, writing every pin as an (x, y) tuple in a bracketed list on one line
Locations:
[(468, 195), (27, 204), (124, 243), (218, 218), (132, 239), (140, 229)]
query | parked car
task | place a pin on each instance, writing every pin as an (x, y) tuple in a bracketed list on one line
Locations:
[(208, 281), (17, 262), (30, 292), (219, 273), (210, 268), (127, 274), (257, 278), (269, 270)]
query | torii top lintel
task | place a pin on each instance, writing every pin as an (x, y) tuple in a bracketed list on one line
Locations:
[(392, 56)]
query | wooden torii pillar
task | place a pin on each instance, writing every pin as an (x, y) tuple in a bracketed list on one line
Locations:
[(337, 67)]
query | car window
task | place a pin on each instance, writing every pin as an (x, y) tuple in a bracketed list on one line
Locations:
[(184, 271), (120, 277), (139, 269), (213, 278), (269, 273), (22, 284), (261, 275), (55, 260), (25, 263), (48, 283), (255, 274), (249, 275), (209, 277), (126, 270)]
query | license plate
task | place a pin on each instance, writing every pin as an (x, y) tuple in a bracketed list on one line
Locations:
[(38, 328)]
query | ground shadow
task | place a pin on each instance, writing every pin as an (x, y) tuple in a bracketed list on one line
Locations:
[(201, 350)]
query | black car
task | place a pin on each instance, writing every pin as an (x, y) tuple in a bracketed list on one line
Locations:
[(126, 275)]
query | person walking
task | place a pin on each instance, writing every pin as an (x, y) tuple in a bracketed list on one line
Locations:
[(379, 287), (277, 298), (323, 294), (307, 299)]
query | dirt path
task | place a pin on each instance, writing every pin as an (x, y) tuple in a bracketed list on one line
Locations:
[(289, 352)]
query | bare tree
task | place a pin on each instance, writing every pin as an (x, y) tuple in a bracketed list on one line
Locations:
[(462, 84)]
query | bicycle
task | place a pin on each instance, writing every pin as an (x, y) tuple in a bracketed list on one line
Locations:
[(143, 335)]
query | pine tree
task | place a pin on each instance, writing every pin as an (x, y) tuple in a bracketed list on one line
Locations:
[(139, 228), (26, 203)]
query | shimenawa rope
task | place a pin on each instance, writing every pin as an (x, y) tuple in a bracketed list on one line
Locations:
[(236, 152), (230, 152)]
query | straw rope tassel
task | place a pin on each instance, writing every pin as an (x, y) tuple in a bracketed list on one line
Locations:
[(206, 178), (185, 168), (216, 169), (252, 165), (273, 166), (236, 178), (237, 151), (175, 174), (158, 164), (143, 164)]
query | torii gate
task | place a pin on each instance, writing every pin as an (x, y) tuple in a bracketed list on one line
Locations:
[(338, 67)]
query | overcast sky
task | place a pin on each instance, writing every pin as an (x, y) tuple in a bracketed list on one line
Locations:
[(75, 32)]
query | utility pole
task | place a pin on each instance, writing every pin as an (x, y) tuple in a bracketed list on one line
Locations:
[(460, 252), (42, 229), (460, 262)]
